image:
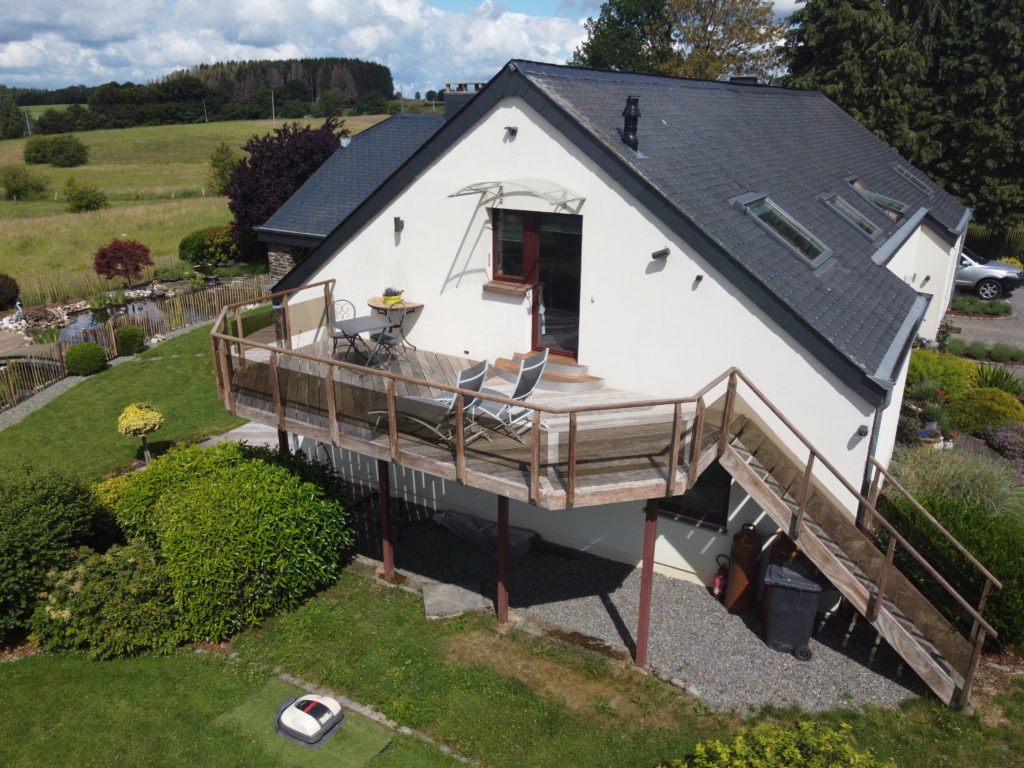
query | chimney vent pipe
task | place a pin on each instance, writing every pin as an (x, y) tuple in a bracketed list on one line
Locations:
[(632, 115)]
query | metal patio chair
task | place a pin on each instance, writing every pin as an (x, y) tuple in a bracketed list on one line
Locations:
[(391, 343), (437, 414), (342, 309), (509, 419)]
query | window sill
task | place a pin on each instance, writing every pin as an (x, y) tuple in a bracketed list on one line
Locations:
[(507, 288)]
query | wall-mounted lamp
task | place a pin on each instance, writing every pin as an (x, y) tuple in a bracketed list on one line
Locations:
[(663, 253), (926, 279), (697, 279), (344, 141), (399, 224), (862, 430), (510, 132)]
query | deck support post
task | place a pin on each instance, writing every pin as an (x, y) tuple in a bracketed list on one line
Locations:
[(384, 502), (646, 582), (502, 559), (282, 441)]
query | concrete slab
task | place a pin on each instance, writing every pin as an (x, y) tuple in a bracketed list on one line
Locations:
[(442, 600)]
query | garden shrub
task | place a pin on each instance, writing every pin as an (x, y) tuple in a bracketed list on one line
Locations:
[(121, 258), (192, 247), (244, 543), (8, 290), (1001, 352), (118, 603), (20, 183), (82, 197), (85, 359), (108, 491), (37, 150), (169, 274), (956, 346), (978, 408), (953, 374), (974, 478), (1017, 355), (977, 350), (1008, 441), (995, 376), (924, 390), (220, 245), (995, 540), (67, 151), (129, 340), (42, 517), (770, 745), (961, 303), (996, 307)]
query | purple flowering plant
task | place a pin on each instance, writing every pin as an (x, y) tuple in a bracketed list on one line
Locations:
[(1008, 441)]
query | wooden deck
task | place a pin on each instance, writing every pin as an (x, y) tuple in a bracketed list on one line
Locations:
[(621, 454)]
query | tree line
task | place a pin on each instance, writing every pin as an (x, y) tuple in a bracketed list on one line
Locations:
[(244, 90), (941, 81)]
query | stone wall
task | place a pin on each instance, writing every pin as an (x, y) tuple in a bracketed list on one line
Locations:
[(282, 258)]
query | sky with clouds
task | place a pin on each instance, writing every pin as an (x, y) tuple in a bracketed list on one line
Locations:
[(53, 43)]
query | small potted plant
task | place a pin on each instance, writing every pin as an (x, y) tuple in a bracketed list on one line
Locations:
[(391, 296)]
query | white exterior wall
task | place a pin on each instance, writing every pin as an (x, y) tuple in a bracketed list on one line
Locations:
[(927, 263), (614, 531), (646, 326)]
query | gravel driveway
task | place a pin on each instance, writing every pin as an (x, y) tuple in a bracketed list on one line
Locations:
[(1008, 329)]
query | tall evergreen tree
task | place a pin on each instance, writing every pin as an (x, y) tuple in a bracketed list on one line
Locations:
[(12, 124)]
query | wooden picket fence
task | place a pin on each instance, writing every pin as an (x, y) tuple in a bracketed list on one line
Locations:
[(22, 378)]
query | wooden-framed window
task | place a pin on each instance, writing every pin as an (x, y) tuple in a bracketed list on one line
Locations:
[(706, 504), (515, 245)]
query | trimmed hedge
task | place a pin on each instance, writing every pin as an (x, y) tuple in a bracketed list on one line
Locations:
[(114, 604), (953, 374), (978, 408), (85, 359), (42, 517), (129, 339)]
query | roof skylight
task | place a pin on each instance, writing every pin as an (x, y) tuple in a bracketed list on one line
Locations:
[(912, 177), (890, 206), (785, 227), (852, 215)]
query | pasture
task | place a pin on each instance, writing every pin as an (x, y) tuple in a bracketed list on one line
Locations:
[(155, 180)]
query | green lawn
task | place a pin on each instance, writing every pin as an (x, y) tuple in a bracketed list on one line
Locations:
[(183, 710), (77, 432)]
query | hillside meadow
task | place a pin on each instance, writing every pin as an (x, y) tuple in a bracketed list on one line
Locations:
[(155, 180)]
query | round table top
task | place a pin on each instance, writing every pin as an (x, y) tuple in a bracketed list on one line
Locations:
[(376, 302)]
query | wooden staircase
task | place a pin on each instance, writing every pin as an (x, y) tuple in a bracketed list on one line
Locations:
[(561, 374), (825, 531)]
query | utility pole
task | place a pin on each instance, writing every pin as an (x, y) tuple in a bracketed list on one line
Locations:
[(205, 118), (28, 123), (273, 111)]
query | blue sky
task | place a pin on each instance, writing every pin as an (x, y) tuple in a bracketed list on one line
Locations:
[(52, 43)]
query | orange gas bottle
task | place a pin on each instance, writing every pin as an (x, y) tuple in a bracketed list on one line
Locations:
[(740, 591)]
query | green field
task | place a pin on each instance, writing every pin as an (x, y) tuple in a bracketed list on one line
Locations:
[(155, 180), (37, 109)]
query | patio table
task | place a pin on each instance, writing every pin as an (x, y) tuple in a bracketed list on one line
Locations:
[(351, 330)]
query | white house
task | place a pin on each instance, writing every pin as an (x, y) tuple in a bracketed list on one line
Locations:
[(652, 233)]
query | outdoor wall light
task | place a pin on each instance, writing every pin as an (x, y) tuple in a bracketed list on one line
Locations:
[(862, 430), (697, 279), (399, 224), (344, 141), (510, 132), (663, 253), (926, 279)]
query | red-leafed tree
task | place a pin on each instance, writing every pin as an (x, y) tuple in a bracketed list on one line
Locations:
[(122, 258), (276, 165)]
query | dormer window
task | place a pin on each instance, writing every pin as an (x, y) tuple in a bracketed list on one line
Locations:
[(785, 228), (890, 206), (853, 216), (912, 177)]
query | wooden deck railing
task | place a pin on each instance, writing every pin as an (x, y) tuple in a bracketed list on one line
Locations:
[(221, 341)]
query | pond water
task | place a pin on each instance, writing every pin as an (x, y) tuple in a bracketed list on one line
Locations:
[(151, 309)]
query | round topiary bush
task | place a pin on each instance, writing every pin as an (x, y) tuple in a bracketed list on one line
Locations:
[(85, 359), (129, 340), (42, 517), (8, 291), (192, 247), (978, 408)]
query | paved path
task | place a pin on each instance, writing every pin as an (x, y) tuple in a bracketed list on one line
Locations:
[(994, 330)]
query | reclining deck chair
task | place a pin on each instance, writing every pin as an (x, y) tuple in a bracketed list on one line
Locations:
[(509, 419), (437, 414)]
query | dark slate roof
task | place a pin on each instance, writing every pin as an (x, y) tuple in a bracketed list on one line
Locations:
[(347, 178), (704, 143)]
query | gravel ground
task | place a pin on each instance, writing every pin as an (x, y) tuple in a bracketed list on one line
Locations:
[(1008, 329), (720, 658)]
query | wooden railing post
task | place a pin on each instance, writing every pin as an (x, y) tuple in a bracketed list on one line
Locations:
[(392, 420), (331, 402), (805, 492), (965, 692), (275, 383), (673, 454), (284, 321), (224, 363), (867, 519), (876, 606), (570, 489), (730, 398), (460, 440), (981, 607), (535, 459), (697, 443), (239, 335)]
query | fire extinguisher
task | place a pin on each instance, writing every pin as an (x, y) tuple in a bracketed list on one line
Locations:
[(718, 587)]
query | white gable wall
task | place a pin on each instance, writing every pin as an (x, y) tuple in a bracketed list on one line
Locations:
[(927, 263), (646, 326)]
